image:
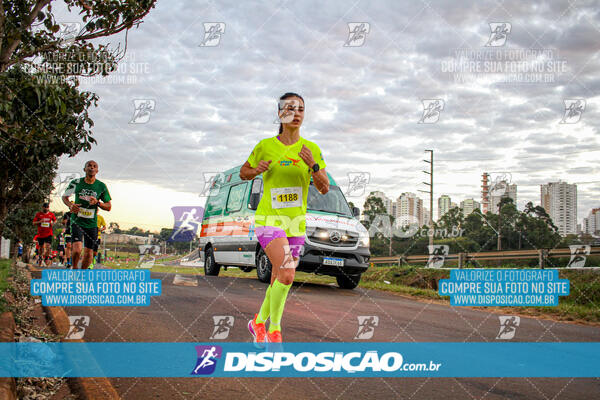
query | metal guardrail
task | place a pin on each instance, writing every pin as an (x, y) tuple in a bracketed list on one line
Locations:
[(542, 255)]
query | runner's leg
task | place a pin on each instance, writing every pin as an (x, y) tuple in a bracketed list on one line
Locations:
[(88, 254), (77, 244), (68, 252), (47, 260), (76, 252), (265, 235), (90, 235), (282, 277)]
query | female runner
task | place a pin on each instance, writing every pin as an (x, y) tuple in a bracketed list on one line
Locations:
[(287, 162)]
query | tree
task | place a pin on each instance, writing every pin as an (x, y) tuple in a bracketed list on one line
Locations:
[(165, 234), (454, 218), (374, 206), (40, 123), (29, 29), (18, 222), (42, 119), (114, 227)]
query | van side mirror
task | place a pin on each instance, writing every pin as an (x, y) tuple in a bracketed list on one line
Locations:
[(254, 200), (356, 211), (255, 193)]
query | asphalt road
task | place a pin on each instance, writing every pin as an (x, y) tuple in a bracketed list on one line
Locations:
[(315, 313)]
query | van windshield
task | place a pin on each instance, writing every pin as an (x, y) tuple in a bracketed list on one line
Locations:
[(333, 202)]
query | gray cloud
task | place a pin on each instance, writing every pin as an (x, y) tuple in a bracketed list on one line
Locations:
[(213, 104)]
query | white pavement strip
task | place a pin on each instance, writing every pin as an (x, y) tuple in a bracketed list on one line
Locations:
[(194, 263), (185, 280)]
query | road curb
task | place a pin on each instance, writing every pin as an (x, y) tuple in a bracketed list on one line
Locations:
[(8, 386), (88, 388)]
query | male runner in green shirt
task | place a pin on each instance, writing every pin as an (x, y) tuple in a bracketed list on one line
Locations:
[(88, 192)]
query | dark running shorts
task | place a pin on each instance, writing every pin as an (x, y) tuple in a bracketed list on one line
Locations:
[(97, 244), (87, 235), (47, 239)]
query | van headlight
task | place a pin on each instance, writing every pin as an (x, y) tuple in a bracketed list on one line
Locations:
[(363, 239)]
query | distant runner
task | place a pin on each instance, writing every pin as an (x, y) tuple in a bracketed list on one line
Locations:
[(287, 162), (37, 250), (66, 220), (44, 220), (19, 250), (90, 194), (101, 228), (61, 249)]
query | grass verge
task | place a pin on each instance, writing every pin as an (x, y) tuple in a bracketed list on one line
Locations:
[(5, 273), (582, 304)]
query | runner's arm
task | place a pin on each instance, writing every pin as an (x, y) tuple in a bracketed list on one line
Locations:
[(320, 177), (67, 202), (321, 181), (106, 206), (248, 173)]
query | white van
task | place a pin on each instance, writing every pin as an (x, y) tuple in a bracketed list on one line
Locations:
[(336, 244)]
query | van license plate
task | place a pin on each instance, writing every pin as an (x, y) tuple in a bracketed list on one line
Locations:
[(333, 261)]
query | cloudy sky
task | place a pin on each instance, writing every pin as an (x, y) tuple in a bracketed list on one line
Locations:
[(364, 97)]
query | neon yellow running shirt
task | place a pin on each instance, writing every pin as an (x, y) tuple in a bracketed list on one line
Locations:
[(285, 184)]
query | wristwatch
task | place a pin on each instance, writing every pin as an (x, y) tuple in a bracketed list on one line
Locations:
[(315, 167)]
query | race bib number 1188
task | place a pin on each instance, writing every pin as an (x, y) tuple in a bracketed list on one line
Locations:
[(286, 197)]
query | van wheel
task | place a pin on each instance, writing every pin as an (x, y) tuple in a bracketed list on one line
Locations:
[(263, 267), (210, 266), (246, 269), (348, 281)]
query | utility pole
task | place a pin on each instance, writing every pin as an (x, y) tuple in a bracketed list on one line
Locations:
[(500, 225), (500, 229), (430, 184)]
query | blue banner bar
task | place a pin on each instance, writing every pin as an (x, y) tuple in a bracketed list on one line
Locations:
[(298, 359), (504, 287), (101, 287)]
